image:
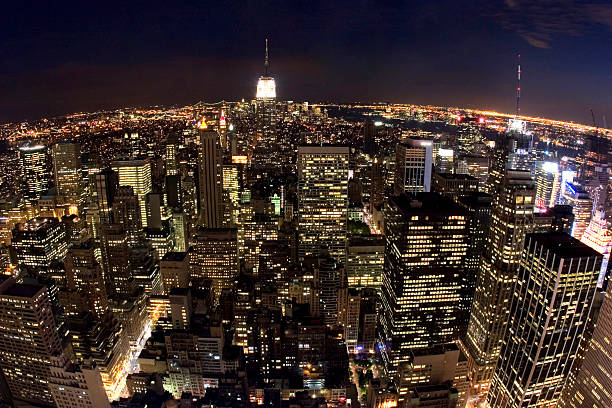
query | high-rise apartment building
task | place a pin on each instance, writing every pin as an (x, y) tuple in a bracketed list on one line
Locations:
[(323, 199), (511, 219), (29, 339), (137, 174), (413, 166), (549, 310), (211, 179), (67, 168), (34, 171), (427, 243)]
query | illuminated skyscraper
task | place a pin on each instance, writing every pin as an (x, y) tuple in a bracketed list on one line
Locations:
[(67, 167), (215, 256), (365, 261), (599, 237), (266, 108), (511, 219), (475, 166), (137, 174), (231, 190), (33, 171), (211, 179), (126, 211), (413, 166), (582, 206), (171, 157), (323, 199), (39, 242), (548, 184), (115, 247), (592, 385), (29, 339), (549, 310), (85, 279), (427, 243)]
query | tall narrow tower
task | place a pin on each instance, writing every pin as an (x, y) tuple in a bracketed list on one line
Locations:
[(266, 118)]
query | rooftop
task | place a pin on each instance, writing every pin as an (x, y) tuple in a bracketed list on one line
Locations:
[(562, 244), (426, 204)]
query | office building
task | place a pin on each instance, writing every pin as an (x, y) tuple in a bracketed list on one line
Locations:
[(548, 184), (582, 206), (599, 237), (39, 242), (115, 248), (592, 385), (215, 256), (29, 339), (126, 212), (34, 172), (106, 185), (365, 261), (549, 311), (67, 169), (511, 219), (174, 270), (211, 179), (454, 185), (475, 166), (323, 199), (427, 243), (413, 166), (137, 174), (171, 157), (377, 184), (85, 279)]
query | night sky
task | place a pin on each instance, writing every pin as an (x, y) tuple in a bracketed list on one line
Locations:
[(62, 57)]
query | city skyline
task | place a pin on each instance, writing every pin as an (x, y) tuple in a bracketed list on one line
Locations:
[(346, 54)]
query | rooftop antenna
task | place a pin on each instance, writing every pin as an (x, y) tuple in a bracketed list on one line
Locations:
[(518, 86), (267, 63)]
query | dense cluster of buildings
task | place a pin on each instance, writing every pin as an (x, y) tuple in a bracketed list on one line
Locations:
[(278, 254)]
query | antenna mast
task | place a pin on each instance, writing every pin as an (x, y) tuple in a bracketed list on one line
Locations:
[(518, 86), (267, 63)]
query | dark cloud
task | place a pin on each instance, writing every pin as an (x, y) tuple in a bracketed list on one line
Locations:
[(540, 22)]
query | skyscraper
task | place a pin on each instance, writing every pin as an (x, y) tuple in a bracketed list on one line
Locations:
[(67, 168), (126, 211), (323, 199), (377, 184), (413, 166), (549, 310), (365, 261), (511, 219), (592, 385), (599, 237), (39, 242), (582, 206), (427, 242), (106, 184), (85, 279), (29, 339), (137, 174), (115, 247), (548, 184), (215, 256), (33, 171), (211, 179), (266, 109)]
